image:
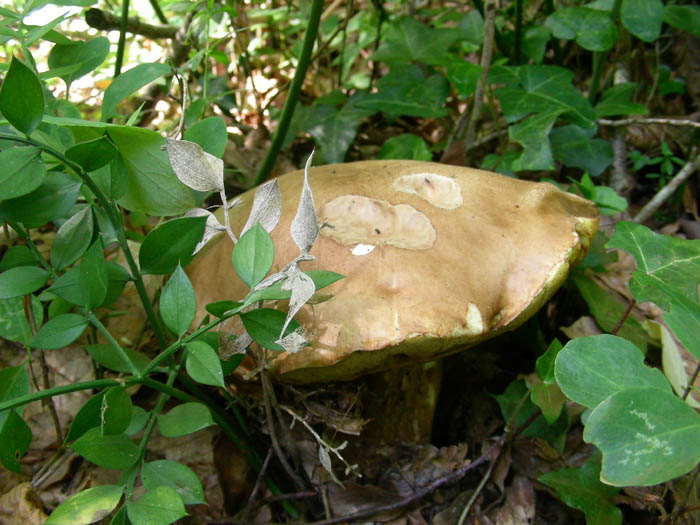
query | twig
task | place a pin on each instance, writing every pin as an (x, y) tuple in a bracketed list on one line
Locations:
[(477, 491), (258, 483), (669, 189), (106, 21), (619, 180), (630, 121), (624, 317), (691, 382)]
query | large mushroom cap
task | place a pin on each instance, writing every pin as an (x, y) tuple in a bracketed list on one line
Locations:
[(435, 257)]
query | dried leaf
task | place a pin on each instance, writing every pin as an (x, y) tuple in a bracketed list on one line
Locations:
[(292, 343), (194, 167), (325, 459), (211, 228), (302, 287), (266, 208), (304, 227)]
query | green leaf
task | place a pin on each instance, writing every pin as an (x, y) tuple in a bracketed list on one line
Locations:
[(88, 416), (405, 91), (113, 180), (114, 451), (59, 332), (607, 310), (93, 276), (617, 101), (264, 326), (84, 56), (203, 364), (219, 308), (15, 437), (127, 83), (683, 320), (581, 489), (593, 29), (210, 134), (684, 17), (21, 97), (53, 199), (463, 75), (68, 286), (517, 397), (642, 18), (471, 29), (321, 279), (184, 419), (535, 42), (544, 366), (665, 264), (139, 418), (17, 255), (13, 384), (105, 356), (408, 40), (405, 146), (175, 475), (153, 187), (72, 239), (532, 135), (13, 321), (92, 154), (116, 410), (177, 302), (22, 280), (23, 171), (540, 89), (647, 436), (590, 369), (550, 400), (158, 506), (89, 506), (575, 147), (252, 255), (170, 244)]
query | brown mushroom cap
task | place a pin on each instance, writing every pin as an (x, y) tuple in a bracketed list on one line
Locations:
[(436, 258)]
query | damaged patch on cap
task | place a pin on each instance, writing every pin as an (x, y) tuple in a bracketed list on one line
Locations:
[(438, 190), (355, 219)]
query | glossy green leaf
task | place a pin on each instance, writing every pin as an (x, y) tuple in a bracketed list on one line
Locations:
[(177, 302), (642, 18), (13, 384), (593, 29), (113, 180), (88, 416), (664, 263), (21, 97), (139, 418), (576, 147), (170, 244), (105, 356), (684, 17), (116, 410), (210, 134), (13, 321), (184, 419), (550, 400), (203, 364), (544, 366), (161, 505), (219, 308), (463, 75), (87, 56), (59, 332), (23, 171), (407, 40), (89, 506), (15, 437), (22, 280), (129, 82), (264, 326), (647, 436), (72, 239), (532, 134), (580, 488), (405, 146), (175, 475), (590, 369), (92, 154), (252, 255), (538, 89), (617, 101), (535, 42), (114, 451), (683, 320), (17, 255), (153, 188), (53, 199), (68, 286), (93, 276)]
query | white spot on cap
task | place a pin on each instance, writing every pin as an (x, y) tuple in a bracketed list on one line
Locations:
[(363, 249), (438, 190)]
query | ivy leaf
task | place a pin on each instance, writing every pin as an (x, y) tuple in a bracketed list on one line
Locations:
[(532, 135), (593, 29), (683, 17), (580, 488), (408, 40), (405, 146), (576, 147), (616, 101), (21, 97), (642, 18)]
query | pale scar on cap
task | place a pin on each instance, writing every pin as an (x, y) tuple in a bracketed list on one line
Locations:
[(438, 190)]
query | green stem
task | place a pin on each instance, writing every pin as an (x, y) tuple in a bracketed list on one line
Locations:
[(112, 342), (122, 39), (598, 60), (158, 11), (293, 94), (64, 389), (518, 31)]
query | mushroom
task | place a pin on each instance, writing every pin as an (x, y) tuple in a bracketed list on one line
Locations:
[(436, 259)]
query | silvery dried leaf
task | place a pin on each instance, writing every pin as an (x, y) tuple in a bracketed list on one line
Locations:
[(292, 343), (230, 344), (194, 167), (302, 287), (211, 228), (325, 459), (270, 280), (266, 209), (304, 228)]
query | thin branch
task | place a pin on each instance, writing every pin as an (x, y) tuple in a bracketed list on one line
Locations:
[(624, 317), (106, 21), (669, 189), (691, 382), (630, 121)]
